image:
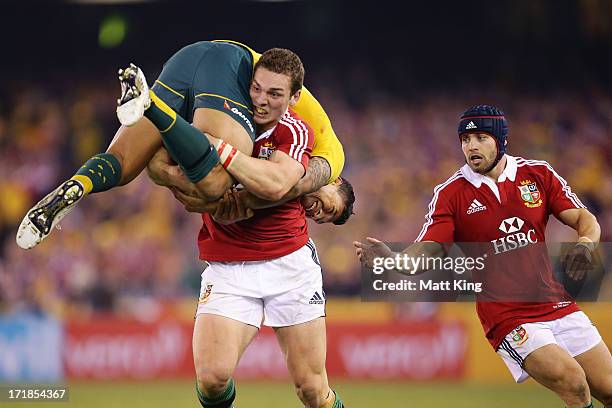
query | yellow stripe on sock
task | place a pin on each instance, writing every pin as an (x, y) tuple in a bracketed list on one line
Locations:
[(85, 181), (164, 108)]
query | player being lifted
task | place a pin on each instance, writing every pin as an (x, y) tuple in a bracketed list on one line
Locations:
[(206, 83), (495, 195)]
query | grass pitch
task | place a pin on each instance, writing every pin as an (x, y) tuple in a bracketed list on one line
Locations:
[(176, 394)]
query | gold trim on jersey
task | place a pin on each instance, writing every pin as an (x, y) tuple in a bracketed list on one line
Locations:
[(254, 53), (170, 89), (225, 98)]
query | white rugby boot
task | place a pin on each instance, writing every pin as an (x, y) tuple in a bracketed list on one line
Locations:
[(135, 98), (47, 213)]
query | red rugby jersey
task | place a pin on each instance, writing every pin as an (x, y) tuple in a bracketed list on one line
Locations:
[(272, 232), (508, 218)]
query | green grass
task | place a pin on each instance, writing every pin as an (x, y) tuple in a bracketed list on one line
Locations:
[(176, 394)]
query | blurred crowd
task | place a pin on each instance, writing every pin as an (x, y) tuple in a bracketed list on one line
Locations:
[(136, 243)]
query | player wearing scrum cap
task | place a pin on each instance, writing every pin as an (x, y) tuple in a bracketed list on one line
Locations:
[(503, 203)]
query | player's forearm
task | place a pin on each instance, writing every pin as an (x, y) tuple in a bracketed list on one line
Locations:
[(587, 227), (317, 175), (251, 201), (257, 203), (264, 178)]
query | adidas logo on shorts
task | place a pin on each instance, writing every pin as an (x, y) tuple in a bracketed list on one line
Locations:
[(316, 299)]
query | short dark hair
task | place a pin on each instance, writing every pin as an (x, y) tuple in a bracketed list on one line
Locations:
[(345, 189), (283, 61)]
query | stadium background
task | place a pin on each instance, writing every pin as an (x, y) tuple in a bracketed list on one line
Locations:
[(106, 304)]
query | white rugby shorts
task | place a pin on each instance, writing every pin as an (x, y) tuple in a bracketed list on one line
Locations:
[(280, 292), (574, 333)]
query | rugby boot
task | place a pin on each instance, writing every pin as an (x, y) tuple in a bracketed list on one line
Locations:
[(135, 97), (47, 213)]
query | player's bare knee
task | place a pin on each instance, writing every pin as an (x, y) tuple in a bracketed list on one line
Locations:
[(212, 385), (572, 382), (212, 381), (310, 391), (581, 391)]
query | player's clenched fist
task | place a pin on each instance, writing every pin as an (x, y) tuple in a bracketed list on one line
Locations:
[(367, 252)]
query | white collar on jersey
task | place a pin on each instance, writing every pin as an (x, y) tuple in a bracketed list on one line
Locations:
[(268, 132), (265, 134), (477, 179)]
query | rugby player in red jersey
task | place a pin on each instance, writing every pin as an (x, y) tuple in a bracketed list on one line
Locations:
[(504, 202), (264, 269)]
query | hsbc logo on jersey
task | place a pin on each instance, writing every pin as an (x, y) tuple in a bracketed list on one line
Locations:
[(515, 238), (510, 225)]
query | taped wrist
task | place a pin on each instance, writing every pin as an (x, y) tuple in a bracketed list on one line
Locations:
[(227, 154)]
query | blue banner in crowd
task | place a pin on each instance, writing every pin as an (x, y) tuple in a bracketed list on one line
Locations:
[(30, 348)]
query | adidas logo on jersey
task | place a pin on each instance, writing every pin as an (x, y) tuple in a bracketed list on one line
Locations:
[(470, 125), (316, 299), (475, 207)]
